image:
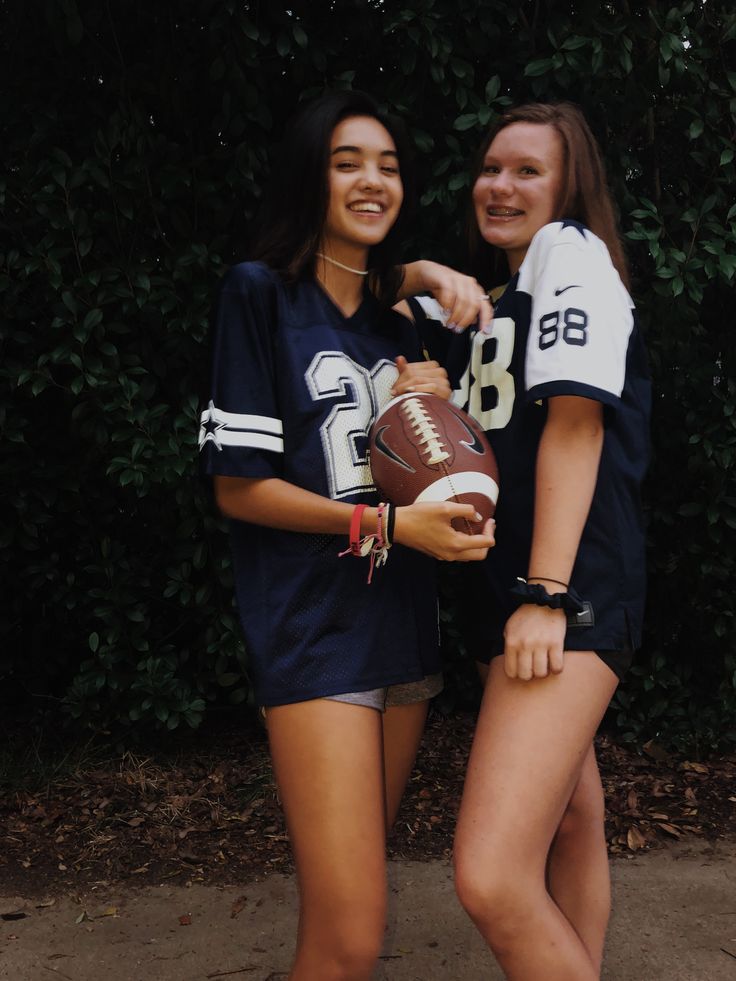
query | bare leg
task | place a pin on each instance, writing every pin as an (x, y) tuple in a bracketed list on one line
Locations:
[(328, 759), (402, 732), (527, 757), (578, 874)]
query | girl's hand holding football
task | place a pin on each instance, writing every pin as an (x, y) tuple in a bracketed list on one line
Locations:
[(421, 376), (427, 527)]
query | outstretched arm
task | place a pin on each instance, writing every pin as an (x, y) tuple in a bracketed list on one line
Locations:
[(278, 504), (566, 474)]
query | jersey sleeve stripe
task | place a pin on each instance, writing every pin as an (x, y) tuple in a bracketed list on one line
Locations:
[(240, 429), (561, 387), (432, 309), (238, 420), (253, 440)]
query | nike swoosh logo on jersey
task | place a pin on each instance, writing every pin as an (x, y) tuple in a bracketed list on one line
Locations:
[(475, 446), (575, 286), (381, 445)]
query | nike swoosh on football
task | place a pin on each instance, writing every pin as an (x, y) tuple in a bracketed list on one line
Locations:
[(575, 286), (381, 445), (475, 445)]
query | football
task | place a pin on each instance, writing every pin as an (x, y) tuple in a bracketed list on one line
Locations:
[(423, 448)]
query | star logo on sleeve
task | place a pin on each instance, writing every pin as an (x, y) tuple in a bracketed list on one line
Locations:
[(210, 425)]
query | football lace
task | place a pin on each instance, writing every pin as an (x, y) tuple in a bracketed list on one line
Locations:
[(425, 431)]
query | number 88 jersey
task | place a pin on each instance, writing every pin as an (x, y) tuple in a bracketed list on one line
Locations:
[(565, 325)]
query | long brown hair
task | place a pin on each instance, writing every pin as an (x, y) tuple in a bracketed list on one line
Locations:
[(585, 196)]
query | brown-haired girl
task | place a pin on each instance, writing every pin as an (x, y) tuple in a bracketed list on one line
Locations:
[(561, 386)]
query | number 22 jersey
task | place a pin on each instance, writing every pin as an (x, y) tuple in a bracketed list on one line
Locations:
[(565, 325), (295, 388)]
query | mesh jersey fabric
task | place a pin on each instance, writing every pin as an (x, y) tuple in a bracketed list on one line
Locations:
[(295, 388)]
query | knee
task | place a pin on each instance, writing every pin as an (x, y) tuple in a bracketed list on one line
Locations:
[(346, 945), (353, 955), (493, 896)]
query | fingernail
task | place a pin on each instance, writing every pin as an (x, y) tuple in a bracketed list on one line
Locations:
[(452, 327), (485, 329), (478, 517)]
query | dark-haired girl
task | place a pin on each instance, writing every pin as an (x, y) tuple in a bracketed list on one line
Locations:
[(307, 352), (561, 386)]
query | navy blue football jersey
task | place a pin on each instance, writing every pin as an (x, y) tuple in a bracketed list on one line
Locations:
[(296, 386), (565, 325)]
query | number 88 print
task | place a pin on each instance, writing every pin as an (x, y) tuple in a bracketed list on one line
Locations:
[(574, 330), (489, 370)]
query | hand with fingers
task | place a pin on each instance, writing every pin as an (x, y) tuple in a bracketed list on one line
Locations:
[(427, 527), (463, 299), (421, 376), (534, 641)]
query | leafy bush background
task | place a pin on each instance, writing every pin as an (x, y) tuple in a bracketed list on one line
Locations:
[(135, 138)]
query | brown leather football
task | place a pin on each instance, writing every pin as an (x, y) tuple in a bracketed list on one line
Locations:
[(423, 448)]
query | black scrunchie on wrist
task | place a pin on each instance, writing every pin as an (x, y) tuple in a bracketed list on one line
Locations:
[(536, 594)]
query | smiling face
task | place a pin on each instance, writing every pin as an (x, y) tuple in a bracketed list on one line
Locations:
[(365, 189), (519, 186)]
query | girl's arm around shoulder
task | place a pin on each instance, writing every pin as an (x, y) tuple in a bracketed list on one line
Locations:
[(566, 474), (462, 297), (279, 504)]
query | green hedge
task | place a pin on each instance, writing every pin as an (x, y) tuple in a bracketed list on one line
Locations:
[(135, 138)]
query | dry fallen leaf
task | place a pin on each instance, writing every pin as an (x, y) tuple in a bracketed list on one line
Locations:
[(670, 829), (238, 906), (694, 767), (635, 839), (656, 751)]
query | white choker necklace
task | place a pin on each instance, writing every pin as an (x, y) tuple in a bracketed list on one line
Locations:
[(340, 265)]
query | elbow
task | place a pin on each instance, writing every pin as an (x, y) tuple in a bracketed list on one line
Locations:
[(238, 497), (225, 498), (223, 505)]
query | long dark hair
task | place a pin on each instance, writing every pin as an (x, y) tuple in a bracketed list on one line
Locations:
[(585, 196), (289, 225)]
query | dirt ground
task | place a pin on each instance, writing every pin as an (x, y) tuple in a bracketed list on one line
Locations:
[(674, 919), (203, 809), (173, 865)]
